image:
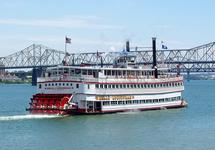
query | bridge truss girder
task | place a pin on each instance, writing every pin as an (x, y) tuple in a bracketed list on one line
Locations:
[(197, 59)]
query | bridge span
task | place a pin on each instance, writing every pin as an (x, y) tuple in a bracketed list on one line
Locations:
[(36, 56)]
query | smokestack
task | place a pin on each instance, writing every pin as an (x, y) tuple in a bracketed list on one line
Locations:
[(127, 46), (154, 57)]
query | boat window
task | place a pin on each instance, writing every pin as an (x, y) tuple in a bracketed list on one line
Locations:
[(161, 100), (105, 86), (101, 86), (109, 72), (70, 84), (113, 102), (45, 84), (106, 103), (135, 101), (40, 86), (59, 84), (97, 86), (124, 85), (113, 72), (88, 86), (66, 70), (55, 84), (113, 86), (120, 102), (124, 73), (95, 74), (77, 71), (84, 72), (119, 73), (60, 70), (90, 72), (121, 86), (133, 73), (109, 86), (142, 73), (77, 86), (117, 86), (72, 72)]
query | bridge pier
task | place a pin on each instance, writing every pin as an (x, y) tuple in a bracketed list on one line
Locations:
[(188, 75), (36, 72)]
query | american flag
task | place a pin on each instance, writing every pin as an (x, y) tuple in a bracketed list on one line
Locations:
[(68, 40), (163, 46)]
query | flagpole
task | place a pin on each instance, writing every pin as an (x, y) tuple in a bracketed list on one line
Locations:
[(65, 45)]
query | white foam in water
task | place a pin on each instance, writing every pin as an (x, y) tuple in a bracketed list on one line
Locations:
[(25, 117), (133, 111)]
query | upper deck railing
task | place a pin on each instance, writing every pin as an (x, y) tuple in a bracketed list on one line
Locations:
[(118, 79)]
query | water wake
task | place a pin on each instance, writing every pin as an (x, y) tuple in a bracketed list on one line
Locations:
[(133, 111), (27, 117)]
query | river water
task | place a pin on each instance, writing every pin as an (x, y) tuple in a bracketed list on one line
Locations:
[(191, 128)]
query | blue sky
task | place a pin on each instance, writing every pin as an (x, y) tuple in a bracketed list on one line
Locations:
[(104, 25)]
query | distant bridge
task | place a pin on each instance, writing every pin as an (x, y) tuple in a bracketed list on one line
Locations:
[(197, 59)]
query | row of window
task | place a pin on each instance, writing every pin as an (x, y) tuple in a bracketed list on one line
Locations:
[(73, 72), (127, 73), (128, 102), (106, 72), (117, 86), (59, 84)]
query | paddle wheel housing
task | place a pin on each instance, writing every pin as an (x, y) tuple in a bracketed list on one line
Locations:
[(51, 104)]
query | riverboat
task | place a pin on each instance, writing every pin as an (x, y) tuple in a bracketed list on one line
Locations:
[(124, 86)]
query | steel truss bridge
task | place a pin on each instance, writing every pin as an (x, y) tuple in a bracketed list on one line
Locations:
[(197, 59)]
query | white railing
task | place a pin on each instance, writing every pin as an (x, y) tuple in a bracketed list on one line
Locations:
[(112, 79)]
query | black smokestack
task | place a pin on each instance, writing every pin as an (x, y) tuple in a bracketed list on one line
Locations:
[(127, 47), (154, 57)]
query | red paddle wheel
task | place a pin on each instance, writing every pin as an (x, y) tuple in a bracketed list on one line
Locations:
[(51, 104)]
